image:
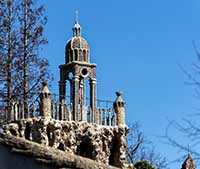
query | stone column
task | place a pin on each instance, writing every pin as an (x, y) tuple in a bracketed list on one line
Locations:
[(62, 91), (45, 99), (93, 117), (62, 97), (82, 103), (75, 97), (119, 108), (71, 91)]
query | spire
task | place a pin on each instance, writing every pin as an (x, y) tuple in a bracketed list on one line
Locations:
[(77, 27), (189, 162), (188, 149)]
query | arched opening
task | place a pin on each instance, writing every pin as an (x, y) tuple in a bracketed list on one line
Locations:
[(61, 147), (72, 55), (79, 31), (68, 56), (70, 76), (87, 97), (50, 136), (69, 88), (85, 149), (27, 131), (13, 132), (114, 153), (84, 56), (76, 55)]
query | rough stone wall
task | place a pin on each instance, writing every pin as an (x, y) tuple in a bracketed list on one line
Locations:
[(106, 144), (19, 153), (18, 160)]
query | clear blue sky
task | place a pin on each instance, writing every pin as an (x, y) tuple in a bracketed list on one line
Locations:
[(137, 45)]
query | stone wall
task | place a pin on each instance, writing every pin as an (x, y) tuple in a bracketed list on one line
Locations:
[(17, 152), (106, 144)]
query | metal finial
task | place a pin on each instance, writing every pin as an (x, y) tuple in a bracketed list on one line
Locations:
[(76, 15), (188, 149), (118, 93)]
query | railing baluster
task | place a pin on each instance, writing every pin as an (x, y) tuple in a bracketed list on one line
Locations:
[(61, 111), (53, 110), (14, 111), (104, 116), (57, 111), (100, 116), (109, 118), (22, 109), (69, 114), (114, 119), (64, 112)]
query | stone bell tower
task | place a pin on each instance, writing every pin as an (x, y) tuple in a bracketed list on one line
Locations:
[(76, 69)]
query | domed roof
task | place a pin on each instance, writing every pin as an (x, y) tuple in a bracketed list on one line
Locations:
[(77, 42), (77, 48)]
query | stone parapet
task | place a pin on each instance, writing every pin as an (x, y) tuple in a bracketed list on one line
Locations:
[(29, 155), (106, 144)]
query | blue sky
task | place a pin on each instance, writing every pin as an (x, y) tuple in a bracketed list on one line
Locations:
[(137, 46)]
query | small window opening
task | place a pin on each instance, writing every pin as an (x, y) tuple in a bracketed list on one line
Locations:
[(76, 55)]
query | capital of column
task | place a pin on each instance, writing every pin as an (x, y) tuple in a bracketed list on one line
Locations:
[(93, 81), (76, 78)]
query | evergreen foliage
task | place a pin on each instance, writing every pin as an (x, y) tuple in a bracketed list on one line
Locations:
[(143, 165)]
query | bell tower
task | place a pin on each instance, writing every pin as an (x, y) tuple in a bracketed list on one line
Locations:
[(76, 69)]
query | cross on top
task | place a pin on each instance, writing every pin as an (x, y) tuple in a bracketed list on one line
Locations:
[(188, 148), (76, 15)]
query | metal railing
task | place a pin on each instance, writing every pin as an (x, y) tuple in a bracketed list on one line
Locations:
[(105, 114)]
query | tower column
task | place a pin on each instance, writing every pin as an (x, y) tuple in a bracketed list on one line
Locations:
[(71, 91), (75, 97), (93, 117), (62, 97), (83, 115), (45, 99), (62, 91), (84, 109), (119, 108)]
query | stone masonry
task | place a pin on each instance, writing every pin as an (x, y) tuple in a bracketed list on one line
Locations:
[(106, 144), (19, 153)]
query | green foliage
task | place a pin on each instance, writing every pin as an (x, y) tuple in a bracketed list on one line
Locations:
[(143, 165)]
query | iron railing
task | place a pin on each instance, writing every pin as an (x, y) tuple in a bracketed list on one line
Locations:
[(105, 113)]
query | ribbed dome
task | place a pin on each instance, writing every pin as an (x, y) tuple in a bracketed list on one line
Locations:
[(77, 43), (77, 48)]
